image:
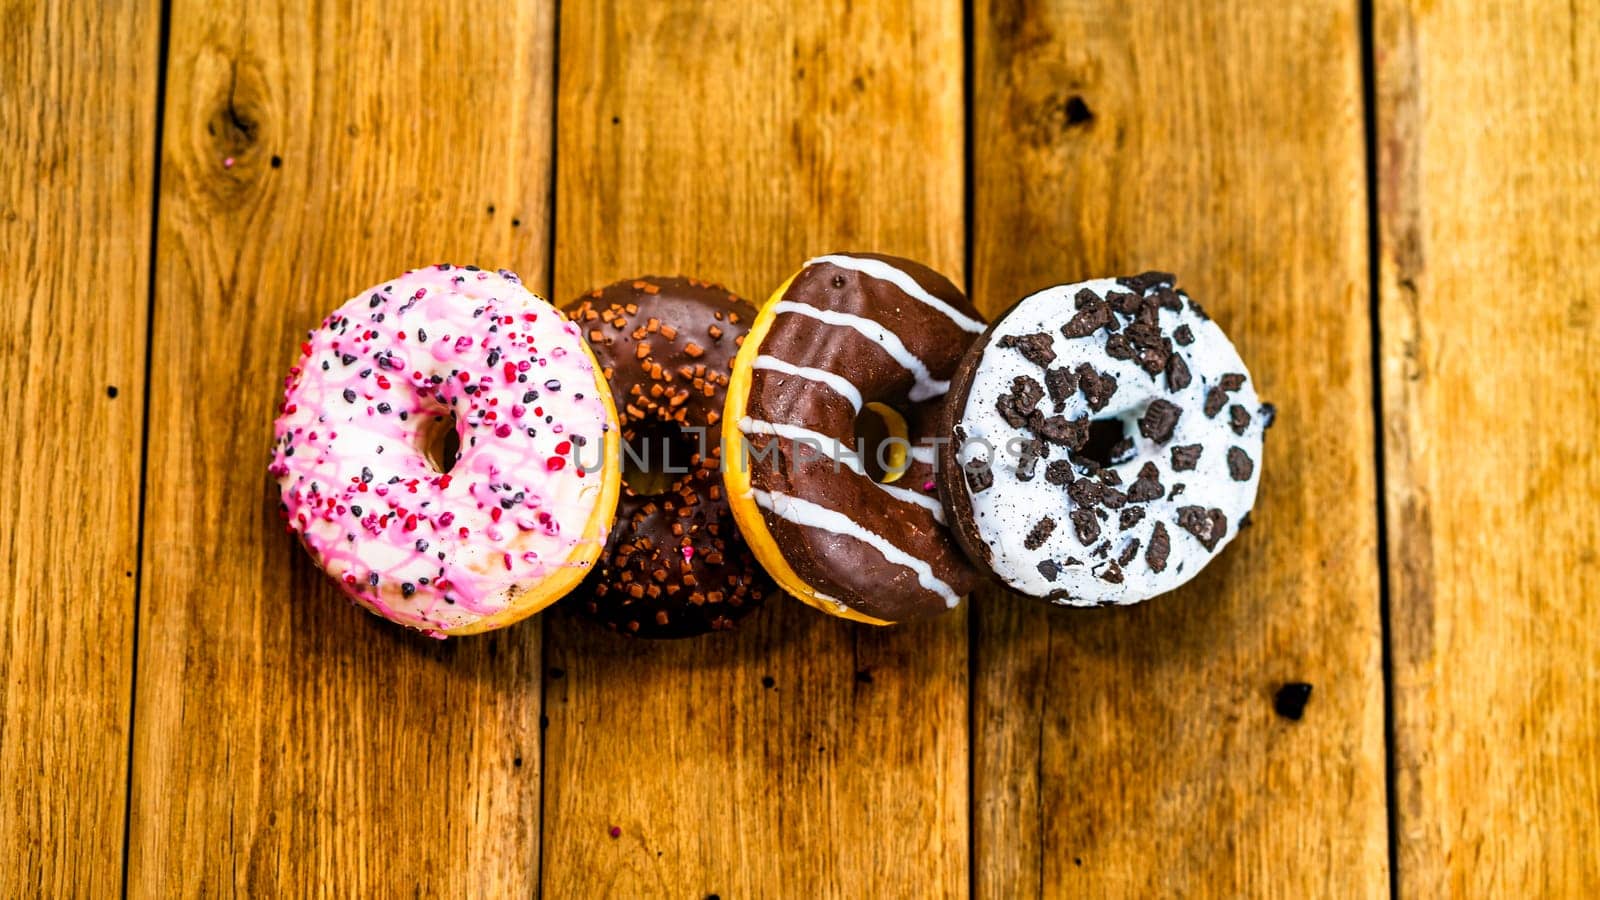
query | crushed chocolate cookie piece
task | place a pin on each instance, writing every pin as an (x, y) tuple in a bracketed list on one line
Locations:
[(1145, 335), (1168, 299), (1185, 457), (1027, 391), (1216, 399), (1231, 382), (1119, 347), (1069, 433), (1060, 383), (1208, 525), (1176, 490), (1098, 388), (1112, 573), (1183, 334), (1147, 280), (1159, 419), (1108, 476), (1085, 492), (979, 478), (1049, 569), (1240, 465), (1119, 453), (1036, 348), (1129, 552), (1269, 414), (1155, 556), (1148, 485), (1092, 315), (1111, 498), (1130, 515), (1153, 360), (1150, 313), (1040, 533), (1178, 376), (1028, 458), (1101, 552), (1058, 473), (1006, 405), (1125, 303), (1086, 526), (1024, 397), (1238, 418)]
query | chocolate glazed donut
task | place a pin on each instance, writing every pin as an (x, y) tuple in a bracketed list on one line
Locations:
[(849, 332), (675, 564)]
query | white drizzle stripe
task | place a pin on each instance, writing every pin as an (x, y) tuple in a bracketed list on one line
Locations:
[(877, 268), (839, 385), (810, 515), (926, 386), (910, 496), (798, 434), (848, 458)]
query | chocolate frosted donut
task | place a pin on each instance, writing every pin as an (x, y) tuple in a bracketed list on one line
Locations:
[(849, 333), (1105, 442), (675, 565)]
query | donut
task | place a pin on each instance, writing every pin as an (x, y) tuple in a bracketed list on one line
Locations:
[(1105, 442), (675, 564), (852, 527), (448, 543)]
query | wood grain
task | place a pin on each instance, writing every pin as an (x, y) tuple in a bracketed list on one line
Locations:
[(1490, 251), (1136, 752), (284, 739), (77, 141), (803, 755)]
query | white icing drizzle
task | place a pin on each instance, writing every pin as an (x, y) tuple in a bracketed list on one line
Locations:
[(833, 380), (810, 515), (910, 496), (877, 268), (926, 386), (922, 454), (847, 458), (800, 434)]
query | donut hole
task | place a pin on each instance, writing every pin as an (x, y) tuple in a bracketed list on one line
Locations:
[(441, 442), (654, 456), (883, 442), (1108, 443)]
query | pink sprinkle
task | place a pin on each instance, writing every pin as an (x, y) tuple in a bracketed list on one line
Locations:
[(927, 485), (227, 162), (688, 553), (615, 832)]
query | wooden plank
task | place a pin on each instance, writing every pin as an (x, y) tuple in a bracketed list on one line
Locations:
[(731, 141), (77, 126), (1137, 751), (1490, 236), (284, 738)]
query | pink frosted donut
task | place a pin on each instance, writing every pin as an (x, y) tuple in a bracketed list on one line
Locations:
[(448, 546)]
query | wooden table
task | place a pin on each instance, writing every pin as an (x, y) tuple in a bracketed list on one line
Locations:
[(1394, 211)]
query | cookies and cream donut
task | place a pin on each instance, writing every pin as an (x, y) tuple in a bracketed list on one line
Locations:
[(675, 564), (851, 530), (1105, 442), (458, 546)]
